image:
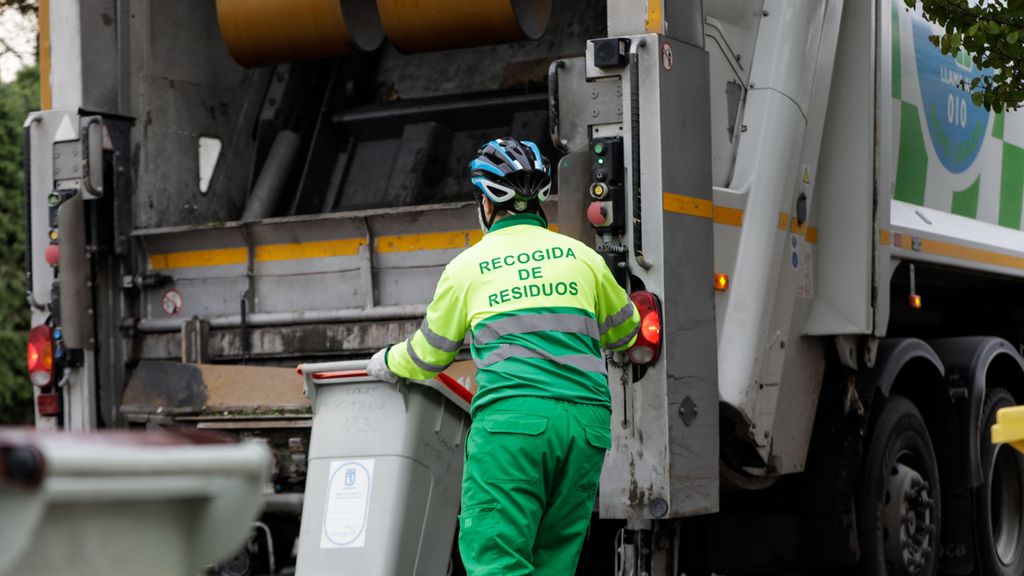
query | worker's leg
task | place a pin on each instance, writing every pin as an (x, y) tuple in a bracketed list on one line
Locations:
[(504, 487), (571, 498)]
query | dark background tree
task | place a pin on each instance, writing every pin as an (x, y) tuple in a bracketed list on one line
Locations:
[(17, 99), (992, 33)]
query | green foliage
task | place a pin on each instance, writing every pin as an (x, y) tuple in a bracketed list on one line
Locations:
[(991, 32), (17, 99), (15, 389)]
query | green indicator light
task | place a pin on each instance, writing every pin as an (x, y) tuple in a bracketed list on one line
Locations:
[(600, 160), (53, 199), (598, 148)]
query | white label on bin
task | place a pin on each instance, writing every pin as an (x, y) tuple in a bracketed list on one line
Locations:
[(347, 508)]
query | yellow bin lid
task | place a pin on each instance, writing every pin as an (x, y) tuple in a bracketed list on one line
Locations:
[(1009, 427)]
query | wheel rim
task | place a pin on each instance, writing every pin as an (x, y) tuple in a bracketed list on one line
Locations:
[(907, 522), (1005, 500)]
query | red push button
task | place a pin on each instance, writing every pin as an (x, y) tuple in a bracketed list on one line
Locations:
[(597, 214), (52, 254)]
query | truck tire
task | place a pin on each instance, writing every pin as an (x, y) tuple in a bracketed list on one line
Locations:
[(998, 502), (899, 501)]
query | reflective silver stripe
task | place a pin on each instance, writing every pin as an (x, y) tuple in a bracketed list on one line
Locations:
[(581, 361), (427, 367), (618, 318), (623, 341), (525, 323), (437, 341)]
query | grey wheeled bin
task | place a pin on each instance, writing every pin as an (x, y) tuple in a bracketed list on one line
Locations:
[(385, 467), (125, 503)]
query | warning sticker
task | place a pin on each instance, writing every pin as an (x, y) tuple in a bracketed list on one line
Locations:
[(171, 302), (347, 507), (668, 58)]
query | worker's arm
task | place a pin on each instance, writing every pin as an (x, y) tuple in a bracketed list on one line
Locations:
[(616, 315), (433, 347)]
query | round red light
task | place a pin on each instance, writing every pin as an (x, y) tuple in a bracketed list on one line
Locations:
[(650, 328), (40, 355), (33, 357), (648, 340)]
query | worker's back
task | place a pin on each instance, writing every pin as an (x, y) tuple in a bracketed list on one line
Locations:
[(538, 305)]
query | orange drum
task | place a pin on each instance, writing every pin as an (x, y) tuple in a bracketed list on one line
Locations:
[(428, 25), (261, 32)]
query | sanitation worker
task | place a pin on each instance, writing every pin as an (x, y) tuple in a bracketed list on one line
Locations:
[(539, 307)]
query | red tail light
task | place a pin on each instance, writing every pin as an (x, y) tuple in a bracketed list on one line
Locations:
[(40, 356), (650, 328), (648, 338)]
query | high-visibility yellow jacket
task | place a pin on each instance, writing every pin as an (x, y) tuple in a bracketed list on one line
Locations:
[(539, 307)]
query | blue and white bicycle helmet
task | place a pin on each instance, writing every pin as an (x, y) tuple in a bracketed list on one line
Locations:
[(513, 174)]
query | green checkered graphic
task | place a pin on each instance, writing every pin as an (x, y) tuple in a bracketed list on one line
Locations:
[(965, 202), (1012, 186), (912, 169), (913, 161)]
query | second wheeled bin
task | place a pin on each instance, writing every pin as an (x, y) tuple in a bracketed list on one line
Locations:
[(120, 503)]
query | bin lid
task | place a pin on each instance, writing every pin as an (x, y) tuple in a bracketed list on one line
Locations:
[(20, 436), (455, 387), (24, 451)]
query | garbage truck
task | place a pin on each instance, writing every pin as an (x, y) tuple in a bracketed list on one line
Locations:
[(826, 230)]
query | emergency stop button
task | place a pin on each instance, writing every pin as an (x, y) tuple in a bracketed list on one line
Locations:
[(598, 213), (52, 254)]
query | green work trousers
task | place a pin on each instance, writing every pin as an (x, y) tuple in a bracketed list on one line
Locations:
[(528, 487)]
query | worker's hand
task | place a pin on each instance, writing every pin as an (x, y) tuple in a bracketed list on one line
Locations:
[(378, 367)]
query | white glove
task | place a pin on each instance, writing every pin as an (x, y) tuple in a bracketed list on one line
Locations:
[(378, 367)]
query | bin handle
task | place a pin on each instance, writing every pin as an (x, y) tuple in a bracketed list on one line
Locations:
[(453, 385), (339, 370), (449, 382), (340, 374)]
